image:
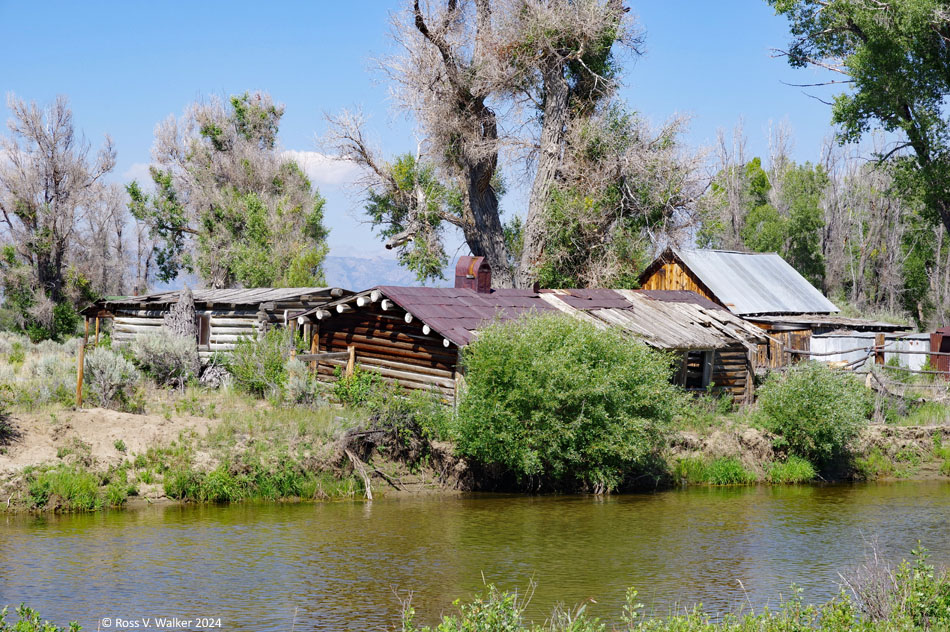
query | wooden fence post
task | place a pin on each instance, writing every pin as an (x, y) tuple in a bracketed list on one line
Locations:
[(97, 330), (82, 363), (879, 349), (351, 361)]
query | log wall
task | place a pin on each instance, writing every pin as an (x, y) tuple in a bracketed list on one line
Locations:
[(386, 344), (732, 372), (227, 327)]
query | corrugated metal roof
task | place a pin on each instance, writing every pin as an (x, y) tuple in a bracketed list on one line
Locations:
[(665, 320), (755, 283)]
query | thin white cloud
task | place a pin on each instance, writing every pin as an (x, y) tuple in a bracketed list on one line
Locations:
[(324, 169), (139, 172)]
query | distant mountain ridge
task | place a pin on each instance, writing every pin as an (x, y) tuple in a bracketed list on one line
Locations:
[(360, 273)]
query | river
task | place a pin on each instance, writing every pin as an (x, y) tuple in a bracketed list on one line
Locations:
[(340, 565)]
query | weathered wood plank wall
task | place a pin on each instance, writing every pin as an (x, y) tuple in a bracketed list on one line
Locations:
[(673, 276)]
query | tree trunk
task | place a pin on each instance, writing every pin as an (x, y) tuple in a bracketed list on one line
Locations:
[(484, 233), (557, 93)]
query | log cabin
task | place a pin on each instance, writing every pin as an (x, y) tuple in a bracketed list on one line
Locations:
[(413, 335), (761, 288), (224, 315)]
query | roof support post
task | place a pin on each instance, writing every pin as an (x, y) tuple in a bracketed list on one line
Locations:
[(314, 344), (351, 361), (293, 338)]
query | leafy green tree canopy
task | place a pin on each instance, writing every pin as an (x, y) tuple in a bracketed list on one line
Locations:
[(227, 204), (893, 56)]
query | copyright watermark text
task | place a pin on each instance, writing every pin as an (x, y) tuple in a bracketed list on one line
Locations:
[(160, 623)]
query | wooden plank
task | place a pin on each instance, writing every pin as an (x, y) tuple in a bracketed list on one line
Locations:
[(320, 357)]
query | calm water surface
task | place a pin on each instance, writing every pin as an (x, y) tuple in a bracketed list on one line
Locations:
[(339, 564)]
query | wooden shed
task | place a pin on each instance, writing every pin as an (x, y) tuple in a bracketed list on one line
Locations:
[(224, 315), (413, 335), (761, 288)]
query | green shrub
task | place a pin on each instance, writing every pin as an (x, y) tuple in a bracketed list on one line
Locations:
[(416, 418), (219, 486), (182, 483), (793, 470), (355, 389), (874, 464), (691, 470), (17, 353), (169, 359), (29, 621), (258, 364), (816, 412), (554, 400), (725, 470), (110, 378)]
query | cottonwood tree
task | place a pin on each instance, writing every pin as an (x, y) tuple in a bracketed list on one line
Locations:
[(532, 85), (50, 187), (892, 56), (226, 203), (767, 208)]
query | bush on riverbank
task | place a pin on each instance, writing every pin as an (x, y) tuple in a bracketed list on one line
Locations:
[(28, 620), (557, 402), (258, 365), (110, 380), (913, 597), (815, 411)]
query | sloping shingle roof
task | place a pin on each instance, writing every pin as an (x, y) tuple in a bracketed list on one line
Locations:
[(755, 283), (665, 320)]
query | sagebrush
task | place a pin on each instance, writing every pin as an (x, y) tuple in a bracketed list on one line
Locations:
[(109, 378), (169, 359)]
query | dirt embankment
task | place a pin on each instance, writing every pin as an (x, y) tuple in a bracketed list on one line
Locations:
[(97, 439), (110, 436)]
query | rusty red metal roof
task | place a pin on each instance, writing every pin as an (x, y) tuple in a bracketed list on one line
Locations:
[(665, 319), (456, 312)]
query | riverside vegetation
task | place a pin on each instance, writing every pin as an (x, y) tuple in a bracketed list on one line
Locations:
[(550, 404), (914, 596)]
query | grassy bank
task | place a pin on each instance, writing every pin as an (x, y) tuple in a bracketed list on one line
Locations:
[(246, 449)]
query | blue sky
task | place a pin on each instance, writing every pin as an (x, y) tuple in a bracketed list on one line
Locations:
[(127, 65)]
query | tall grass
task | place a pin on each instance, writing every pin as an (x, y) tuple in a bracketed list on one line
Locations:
[(726, 470)]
